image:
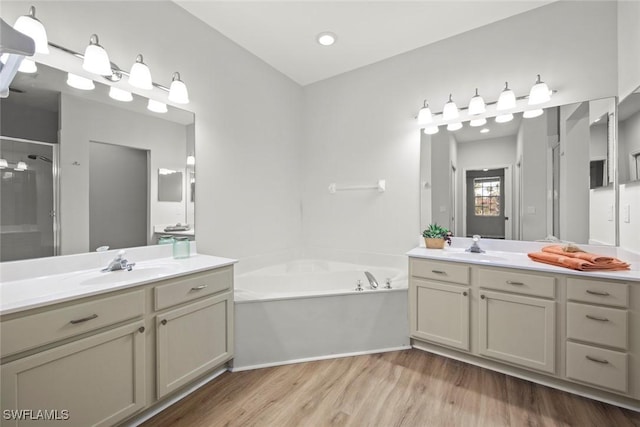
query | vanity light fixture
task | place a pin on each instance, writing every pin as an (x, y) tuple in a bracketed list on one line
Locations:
[(28, 66), (539, 93), (454, 126), (504, 118), (20, 166), (530, 114), (178, 90), (476, 105), (96, 59), (507, 99), (3, 163), (484, 130), (120, 95), (191, 160), (140, 76), (424, 115), (477, 122), (450, 110), (326, 38), (431, 130), (32, 27), (156, 106), (80, 82)]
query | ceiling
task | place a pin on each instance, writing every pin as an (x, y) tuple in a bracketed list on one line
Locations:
[(496, 130), (283, 33)]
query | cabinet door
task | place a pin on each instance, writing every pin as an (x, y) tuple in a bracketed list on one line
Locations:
[(95, 381), (517, 329), (192, 340), (440, 313)]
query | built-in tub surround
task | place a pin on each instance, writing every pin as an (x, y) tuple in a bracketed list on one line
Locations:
[(572, 330), (310, 309)]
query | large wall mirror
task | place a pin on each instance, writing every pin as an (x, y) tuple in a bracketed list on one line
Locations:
[(541, 178), (80, 169)]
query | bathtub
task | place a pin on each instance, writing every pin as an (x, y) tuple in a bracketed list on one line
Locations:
[(309, 310)]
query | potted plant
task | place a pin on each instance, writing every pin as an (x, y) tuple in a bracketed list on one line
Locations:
[(435, 236)]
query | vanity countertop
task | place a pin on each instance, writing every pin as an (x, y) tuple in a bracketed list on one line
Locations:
[(519, 260), (27, 293)]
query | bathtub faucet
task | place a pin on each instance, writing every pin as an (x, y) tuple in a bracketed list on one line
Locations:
[(372, 280)]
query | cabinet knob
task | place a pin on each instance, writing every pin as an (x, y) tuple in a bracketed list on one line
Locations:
[(163, 321), (482, 296), (464, 293), (141, 329)]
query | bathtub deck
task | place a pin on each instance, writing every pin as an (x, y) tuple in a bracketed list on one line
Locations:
[(410, 388)]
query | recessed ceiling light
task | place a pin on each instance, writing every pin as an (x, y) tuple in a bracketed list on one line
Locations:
[(326, 38), (484, 130)]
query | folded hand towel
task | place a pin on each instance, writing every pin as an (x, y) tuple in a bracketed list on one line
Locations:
[(559, 250), (567, 261)]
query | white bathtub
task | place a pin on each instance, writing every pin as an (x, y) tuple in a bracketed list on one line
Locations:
[(309, 309)]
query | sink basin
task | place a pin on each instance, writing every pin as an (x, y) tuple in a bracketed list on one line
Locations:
[(470, 256), (137, 273)]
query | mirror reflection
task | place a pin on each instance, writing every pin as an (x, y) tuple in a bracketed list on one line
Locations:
[(79, 169), (629, 138), (527, 179)]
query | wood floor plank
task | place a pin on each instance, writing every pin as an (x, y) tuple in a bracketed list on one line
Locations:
[(403, 388)]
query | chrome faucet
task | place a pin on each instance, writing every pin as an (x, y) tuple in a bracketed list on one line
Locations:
[(119, 263), (372, 280), (474, 248)]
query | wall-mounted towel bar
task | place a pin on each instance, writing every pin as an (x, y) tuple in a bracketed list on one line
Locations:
[(381, 186)]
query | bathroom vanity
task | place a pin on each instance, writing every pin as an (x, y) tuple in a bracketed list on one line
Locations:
[(98, 348), (575, 331)]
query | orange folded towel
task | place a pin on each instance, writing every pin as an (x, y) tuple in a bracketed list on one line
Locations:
[(559, 250), (564, 260)]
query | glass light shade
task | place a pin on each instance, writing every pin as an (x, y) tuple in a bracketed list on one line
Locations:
[(120, 95), (454, 126), (3, 163), (96, 59), (507, 99), (191, 160), (485, 130), (450, 110), (140, 76), (80, 82), (532, 113), (424, 115), (178, 90), (478, 122), (504, 118), (431, 130), (28, 66), (157, 106), (32, 27), (21, 166), (539, 93), (476, 105)]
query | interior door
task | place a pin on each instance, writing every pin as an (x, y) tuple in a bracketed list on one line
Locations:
[(485, 203)]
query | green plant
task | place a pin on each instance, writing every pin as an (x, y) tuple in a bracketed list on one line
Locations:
[(437, 232)]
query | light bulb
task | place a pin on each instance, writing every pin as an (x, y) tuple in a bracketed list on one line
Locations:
[(507, 99), (476, 105), (191, 160), (96, 59), (504, 118), (32, 27), (28, 66), (120, 95), (79, 82), (21, 166), (431, 130), (178, 90), (424, 115), (454, 126), (450, 110), (539, 93), (157, 106), (532, 113), (140, 76), (478, 122)]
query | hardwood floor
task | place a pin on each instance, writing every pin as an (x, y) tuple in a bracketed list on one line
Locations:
[(403, 388)]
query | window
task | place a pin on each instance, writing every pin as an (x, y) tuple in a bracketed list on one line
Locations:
[(486, 193)]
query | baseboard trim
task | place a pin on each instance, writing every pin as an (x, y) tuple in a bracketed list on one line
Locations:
[(316, 358)]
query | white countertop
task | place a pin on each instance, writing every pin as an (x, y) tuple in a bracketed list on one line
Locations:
[(520, 260), (31, 292)]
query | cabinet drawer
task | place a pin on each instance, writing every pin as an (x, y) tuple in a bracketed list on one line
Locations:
[(598, 325), (597, 366), (520, 283), (56, 324), (445, 271), (193, 287), (600, 292)]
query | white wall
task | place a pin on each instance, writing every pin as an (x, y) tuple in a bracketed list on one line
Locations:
[(630, 230), (629, 138), (602, 230), (248, 116), (628, 46), (360, 126)]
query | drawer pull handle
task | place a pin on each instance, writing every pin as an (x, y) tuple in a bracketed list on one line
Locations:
[(600, 293), (141, 329), (163, 321), (595, 359), (511, 282), (198, 288), (599, 319), (438, 272), (464, 294), (84, 319)]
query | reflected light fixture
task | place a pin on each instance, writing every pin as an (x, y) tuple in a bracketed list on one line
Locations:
[(157, 106), (476, 105), (530, 114), (140, 76), (178, 90), (424, 115), (450, 110), (326, 38), (32, 27), (454, 126), (3, 163), (28, 66), (484, 130), (504, 118), (120, 95), (191, 160), (431, 130), (20, 166), (477, 122), (80, 82), (539, 93), (507, 99), (96, 59)]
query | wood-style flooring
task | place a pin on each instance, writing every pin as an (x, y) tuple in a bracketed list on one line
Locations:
[(402, 388)]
